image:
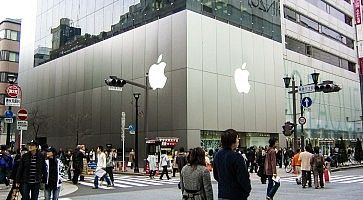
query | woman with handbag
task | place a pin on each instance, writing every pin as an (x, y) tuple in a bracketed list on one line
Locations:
[(195, 178)]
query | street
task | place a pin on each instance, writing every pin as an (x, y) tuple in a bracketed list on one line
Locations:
[(344, 185)]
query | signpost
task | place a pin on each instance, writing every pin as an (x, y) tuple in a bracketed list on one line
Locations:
[(23, 114), (306, 89), (306, 102), (302, 120), (131, 129), (12, 102), (123, 119), (22, 124), (12, 91), (8, 120)]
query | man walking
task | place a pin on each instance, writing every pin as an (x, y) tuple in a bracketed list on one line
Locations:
[(101, 168), (181, 159), (164, 164), (296, 164), (31, 172), (230, 169), (317, 163), (305, 158), (270, 170), (77, 160)]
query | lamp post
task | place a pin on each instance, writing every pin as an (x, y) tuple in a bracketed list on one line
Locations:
[(11, 80), (136, 169), (287, 80)]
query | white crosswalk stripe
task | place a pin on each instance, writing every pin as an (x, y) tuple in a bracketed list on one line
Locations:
[(333, 179), (121, 181)]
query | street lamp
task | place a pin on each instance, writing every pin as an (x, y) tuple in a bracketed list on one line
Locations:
[(136, 169), (11, 78), (287, 80)]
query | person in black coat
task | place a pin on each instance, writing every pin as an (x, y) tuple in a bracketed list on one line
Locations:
[(31, 172), (230, 169), (77, 164)]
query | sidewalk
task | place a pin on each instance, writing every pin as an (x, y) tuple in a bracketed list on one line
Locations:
[(67, 188)]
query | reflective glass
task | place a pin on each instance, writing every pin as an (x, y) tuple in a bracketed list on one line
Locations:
[(309, 23)]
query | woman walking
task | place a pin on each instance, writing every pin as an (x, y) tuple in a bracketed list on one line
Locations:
[(110, 163), (54, 175), (317, 164), (195, 179)]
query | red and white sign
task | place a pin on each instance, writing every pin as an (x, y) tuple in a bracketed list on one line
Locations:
[(12, 91), (357, 13), (23, 114)]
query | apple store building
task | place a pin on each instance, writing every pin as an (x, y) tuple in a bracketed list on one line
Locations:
[(221, 61)]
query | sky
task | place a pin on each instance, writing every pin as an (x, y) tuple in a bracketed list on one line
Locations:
[(16, 8)]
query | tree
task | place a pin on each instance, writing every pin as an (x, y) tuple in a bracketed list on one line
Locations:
[(37, 121), (74, 123)]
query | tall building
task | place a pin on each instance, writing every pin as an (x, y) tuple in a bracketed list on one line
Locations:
[(9, 63), (205, 45)]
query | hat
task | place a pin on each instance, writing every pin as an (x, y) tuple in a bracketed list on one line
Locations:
[(52, 149), (33, 142)]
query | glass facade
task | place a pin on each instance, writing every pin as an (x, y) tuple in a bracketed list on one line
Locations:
[(9, 56), (65, 26), (10, 34)]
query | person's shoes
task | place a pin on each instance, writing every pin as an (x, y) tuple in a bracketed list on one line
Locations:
[(113, 184), (268, 198), (263, 182), (316, 187), (169, 178), (94, 187), (160, 178), (310, 186), (321, 186), (109, 185), (303, 186)]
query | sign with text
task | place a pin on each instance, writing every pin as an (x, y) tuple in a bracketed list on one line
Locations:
[(8, 120), (12, 102), (306, 89), (357, 13), (22, 125)]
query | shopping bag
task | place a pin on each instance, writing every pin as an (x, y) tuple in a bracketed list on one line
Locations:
[(100, 172), (129, 164), (326, 175), (13, 194)]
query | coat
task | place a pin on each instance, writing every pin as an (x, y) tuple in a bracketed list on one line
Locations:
[(22, 175), (196, 180), (270, 162), (152, 162), (60, 171), (230, 171)]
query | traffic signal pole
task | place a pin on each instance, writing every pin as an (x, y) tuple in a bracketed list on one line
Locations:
[(302, 136), (294, 91)]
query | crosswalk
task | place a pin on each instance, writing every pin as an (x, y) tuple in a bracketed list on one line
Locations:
[(343, 179), (121, 181)]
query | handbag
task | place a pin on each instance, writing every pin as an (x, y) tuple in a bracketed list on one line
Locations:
[(13, 194)]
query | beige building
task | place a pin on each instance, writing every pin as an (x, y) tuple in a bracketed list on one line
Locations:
[(9, 63)]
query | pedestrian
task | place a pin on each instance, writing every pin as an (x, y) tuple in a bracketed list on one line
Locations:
[(31, 172), (261, 156), (101, 168), (175, 164), (131, 158), (251, 156), (270, 170), (195, 178), (54, 175), (317, 164), (279, 157), (152, 165), (110, 164), (181, 159), (358, 155), (85, 159), (69, 164), (164, 164), (230, 169), (77, 159), (305, 158), (6, 164), (296, 164)]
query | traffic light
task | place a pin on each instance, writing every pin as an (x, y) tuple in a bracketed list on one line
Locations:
[(288, 128), (114, 81), (327, 87)]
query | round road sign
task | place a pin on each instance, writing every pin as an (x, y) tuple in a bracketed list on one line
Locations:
[(12, 91), (23, 114), (302, 120)]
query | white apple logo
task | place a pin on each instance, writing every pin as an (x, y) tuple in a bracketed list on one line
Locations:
[(157, 78), (241, 79)]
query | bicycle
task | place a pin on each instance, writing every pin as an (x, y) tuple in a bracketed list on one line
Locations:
[(288, 167)]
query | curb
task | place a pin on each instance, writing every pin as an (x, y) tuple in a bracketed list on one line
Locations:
[(346, 167)]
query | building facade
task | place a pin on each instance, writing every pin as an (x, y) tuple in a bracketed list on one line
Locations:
[(9, 65), (203, 43)]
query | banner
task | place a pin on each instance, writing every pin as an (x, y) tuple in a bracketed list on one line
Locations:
[(357, 13)]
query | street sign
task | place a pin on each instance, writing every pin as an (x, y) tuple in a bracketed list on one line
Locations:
[(8, 114), (113, 88), (22, 125), (306, 89), (12, 91), (8, 120), (306, 102), (23, 114), (302, 120), (131, 129), (12, 102)]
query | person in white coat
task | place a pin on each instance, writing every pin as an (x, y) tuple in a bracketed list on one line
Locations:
[(101, 168), (152, 165), (54, 175), (164, 164)]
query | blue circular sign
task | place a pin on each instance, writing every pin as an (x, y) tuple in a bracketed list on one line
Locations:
[(306, 102), (8, 114)]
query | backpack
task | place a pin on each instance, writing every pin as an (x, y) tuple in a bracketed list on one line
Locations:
[(319, 163)]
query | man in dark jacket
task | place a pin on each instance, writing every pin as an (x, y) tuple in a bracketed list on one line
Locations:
[(31, 172), (181, 159), (270, 170), (77, 164), (230, 170)]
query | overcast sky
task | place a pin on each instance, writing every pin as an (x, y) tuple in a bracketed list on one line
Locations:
[(17, 9)]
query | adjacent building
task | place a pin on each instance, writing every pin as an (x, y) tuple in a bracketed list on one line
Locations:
[(203, 43), (9, 64)]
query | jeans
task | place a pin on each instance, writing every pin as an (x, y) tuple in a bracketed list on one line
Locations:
[(306, 177), (165, 171), (318, 178), (76, 174), (152, 173), (109, 171), (272, 187), (48, 192), (105, 177), (174, 171), (33, 188)]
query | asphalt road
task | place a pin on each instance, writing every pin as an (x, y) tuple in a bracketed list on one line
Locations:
[(345, 185)]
